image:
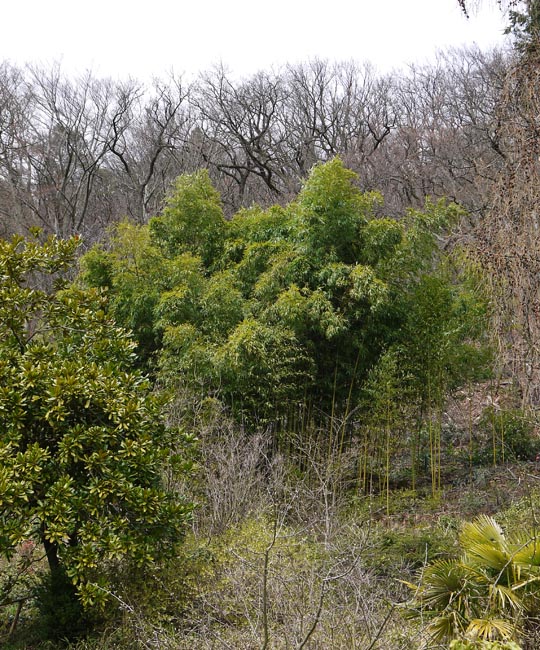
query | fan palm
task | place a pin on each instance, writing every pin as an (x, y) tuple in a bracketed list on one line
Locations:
[(488, 592)]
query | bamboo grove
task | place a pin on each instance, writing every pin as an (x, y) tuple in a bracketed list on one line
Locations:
[(321, 319)]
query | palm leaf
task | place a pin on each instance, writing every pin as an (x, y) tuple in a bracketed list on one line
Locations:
[(484, 530), (506, 598), (442, 584), (446, 626), (488, 556), (490, 628), (527, 552), (525, 583), (488, 591)]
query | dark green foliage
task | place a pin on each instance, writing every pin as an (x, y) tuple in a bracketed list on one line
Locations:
[(524, 25), (262, 367), (61, 614), (83, 442)]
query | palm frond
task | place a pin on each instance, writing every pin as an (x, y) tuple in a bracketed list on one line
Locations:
[(446, 626), (527, 552), (489, 591), (526, 583), (487, 555), (484, 530), (442, 583), (505, 598), (489, 629)]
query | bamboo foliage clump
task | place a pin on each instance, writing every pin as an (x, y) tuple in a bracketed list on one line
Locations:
[(321, 314)]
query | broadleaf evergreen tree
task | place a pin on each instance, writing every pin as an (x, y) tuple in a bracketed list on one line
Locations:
[(83, 443)]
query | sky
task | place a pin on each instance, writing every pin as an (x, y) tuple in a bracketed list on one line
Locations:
[(122, 38)]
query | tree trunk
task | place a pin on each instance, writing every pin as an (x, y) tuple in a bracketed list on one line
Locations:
[(51, 551)]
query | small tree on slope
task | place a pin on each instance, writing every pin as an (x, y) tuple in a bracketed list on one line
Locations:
[(82, 442)]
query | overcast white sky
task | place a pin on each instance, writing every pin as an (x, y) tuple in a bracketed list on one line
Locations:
[(128, 37)]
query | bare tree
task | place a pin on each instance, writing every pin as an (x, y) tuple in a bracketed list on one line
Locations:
[(150, 154), (15, 108), (240, 134), (445, 142), (74, 127), (78, 154), (507, 240), (336, 109), (54, 153)]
